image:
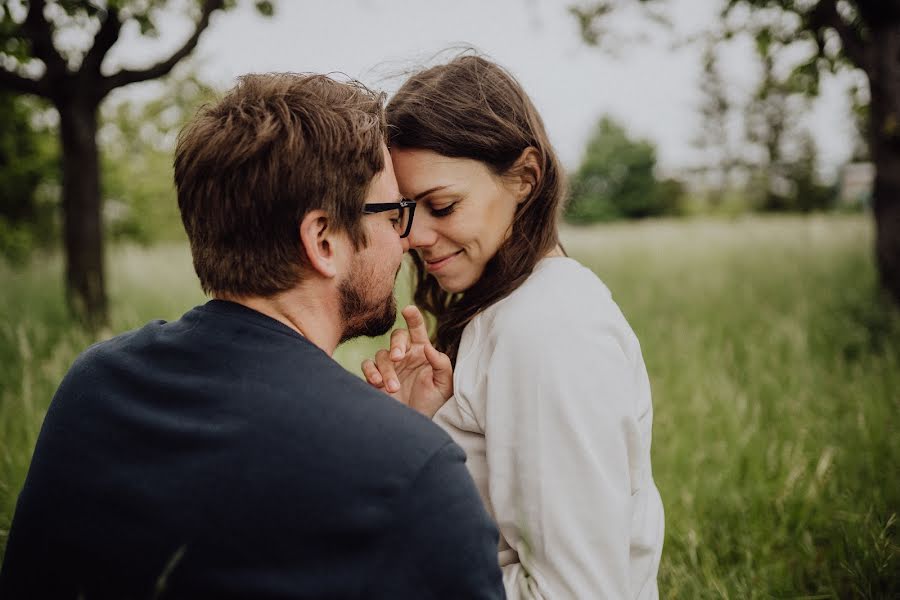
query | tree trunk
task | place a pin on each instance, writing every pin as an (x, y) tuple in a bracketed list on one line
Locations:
[(83, 227), (884, 82), (886, 207)]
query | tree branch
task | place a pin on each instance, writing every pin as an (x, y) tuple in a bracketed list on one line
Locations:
[(825, 15), (13, 82), (126, 76), (105, 38), (38, 30)]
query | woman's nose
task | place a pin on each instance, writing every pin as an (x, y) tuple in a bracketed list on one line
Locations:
[(422, 233)]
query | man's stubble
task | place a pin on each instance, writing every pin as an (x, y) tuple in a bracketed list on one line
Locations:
[(361, 314)]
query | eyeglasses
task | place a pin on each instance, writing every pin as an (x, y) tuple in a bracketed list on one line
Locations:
[(403, 222)]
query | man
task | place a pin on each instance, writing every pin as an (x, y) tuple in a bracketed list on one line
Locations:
[(226, 454)]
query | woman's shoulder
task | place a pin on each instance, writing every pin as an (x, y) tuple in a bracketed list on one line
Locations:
[(558, 290), (559, 304)]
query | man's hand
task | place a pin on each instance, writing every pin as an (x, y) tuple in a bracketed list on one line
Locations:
[(413, 372)]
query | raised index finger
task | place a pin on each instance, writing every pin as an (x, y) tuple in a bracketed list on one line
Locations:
[(415, 322)]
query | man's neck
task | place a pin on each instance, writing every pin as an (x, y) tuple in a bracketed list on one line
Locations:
[(311, 313)]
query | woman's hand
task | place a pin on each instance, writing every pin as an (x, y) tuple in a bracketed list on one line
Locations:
[(413, 372)]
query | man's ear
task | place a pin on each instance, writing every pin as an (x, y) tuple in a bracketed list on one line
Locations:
[(526, 172), (319, 239)]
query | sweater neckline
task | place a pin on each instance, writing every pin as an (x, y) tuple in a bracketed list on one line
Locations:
[(235, 310)]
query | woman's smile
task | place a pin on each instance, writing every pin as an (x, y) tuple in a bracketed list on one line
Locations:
[(436, 264)]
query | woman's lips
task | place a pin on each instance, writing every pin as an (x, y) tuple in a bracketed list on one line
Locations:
[(437, 264)]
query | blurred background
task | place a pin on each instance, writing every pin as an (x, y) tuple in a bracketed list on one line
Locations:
[(735, 180)]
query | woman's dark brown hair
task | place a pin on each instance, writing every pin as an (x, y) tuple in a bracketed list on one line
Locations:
[(473, 108)]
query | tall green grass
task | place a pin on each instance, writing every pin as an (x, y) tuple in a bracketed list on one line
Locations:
[(775, 368)]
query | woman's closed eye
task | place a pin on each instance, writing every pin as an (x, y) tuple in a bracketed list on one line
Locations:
[(443, 211)]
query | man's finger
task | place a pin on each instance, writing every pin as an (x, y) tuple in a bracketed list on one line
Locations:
[(442, 370), (399, 344), (415, 322)]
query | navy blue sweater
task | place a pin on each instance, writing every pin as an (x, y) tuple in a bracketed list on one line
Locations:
[(223, 455)]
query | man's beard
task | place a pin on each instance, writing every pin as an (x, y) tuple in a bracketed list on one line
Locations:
[(361, 315)]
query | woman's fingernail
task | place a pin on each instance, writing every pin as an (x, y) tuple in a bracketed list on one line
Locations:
[(396, 353), (393, 385)]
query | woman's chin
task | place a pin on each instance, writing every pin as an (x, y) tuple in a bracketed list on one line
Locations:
[(454, 285)]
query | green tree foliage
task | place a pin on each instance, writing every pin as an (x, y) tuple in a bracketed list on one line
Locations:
[(136, 143), (810, 194), (784, 176), (137, 140), (721, 162), (616, 179), (820, 37), (56, 50), (28, 167)]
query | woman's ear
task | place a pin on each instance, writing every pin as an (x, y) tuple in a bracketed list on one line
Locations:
[(318, 240), (527, 172)]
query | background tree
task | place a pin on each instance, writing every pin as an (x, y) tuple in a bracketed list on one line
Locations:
[(617, 179), (72, 79), (837, 35), (714, 137), (784, 169)]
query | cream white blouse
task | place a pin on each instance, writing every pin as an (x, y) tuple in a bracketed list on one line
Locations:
[(552, 406)]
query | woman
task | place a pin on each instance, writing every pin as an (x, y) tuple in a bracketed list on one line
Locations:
[(548, 392)]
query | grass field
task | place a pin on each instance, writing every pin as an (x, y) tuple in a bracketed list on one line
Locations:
[(775, 371)]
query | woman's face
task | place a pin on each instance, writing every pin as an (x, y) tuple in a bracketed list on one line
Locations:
[(463, 215)]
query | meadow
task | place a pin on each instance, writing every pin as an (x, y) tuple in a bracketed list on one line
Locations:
[(775, 368)]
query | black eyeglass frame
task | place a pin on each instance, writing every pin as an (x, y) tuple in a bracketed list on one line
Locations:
[(372, 208)]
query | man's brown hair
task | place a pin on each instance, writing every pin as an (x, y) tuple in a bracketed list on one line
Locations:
[(249, 167)]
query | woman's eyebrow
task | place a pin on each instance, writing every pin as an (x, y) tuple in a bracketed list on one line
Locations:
[(430, 191)]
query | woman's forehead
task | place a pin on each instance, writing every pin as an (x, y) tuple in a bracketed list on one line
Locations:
[(426, 167)]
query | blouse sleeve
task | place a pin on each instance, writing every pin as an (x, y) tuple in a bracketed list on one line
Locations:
[(559, 425)]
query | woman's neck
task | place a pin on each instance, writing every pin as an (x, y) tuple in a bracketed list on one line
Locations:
[(556, 251)]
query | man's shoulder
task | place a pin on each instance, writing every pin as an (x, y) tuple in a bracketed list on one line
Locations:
[(285, 395), (377, 425), (111, 349)]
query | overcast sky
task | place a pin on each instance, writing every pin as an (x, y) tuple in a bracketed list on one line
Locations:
[(647, 84)]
